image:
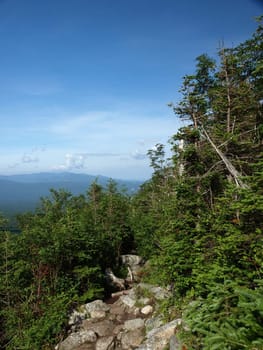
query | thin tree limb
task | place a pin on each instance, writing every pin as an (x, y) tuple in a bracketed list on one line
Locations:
[(230, 167)]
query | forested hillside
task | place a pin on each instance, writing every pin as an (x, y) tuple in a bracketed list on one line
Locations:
[(19, 193), (199, 221)]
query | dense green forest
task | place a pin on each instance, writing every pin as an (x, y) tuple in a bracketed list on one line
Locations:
[(199, 220)]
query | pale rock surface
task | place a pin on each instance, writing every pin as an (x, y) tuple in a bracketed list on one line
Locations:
[(96, 305), (132, 339), (98, 314), (153, 322), (103, 328), (105, 343), (74, 340), (136, 323), (159, 338), (127, 301), (147, 310)]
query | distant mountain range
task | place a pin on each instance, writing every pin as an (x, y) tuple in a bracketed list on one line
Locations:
[(19, 193)]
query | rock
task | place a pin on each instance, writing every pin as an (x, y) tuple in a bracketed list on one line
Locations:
[(113, 281), (134, 264), (118, 329), (132, 339), (77, 317), (136, 312), (154, 322), (96, 305), (117, 309), (121, 324), (136, 323), (144, 301), (159, 338), (98, 314), (127, 301), (158, 293), (74, 340), (87, 346), (118, 294), (174, 343), (86, 324), (131, 260), (105, 343), (103, 328), (147, 310)]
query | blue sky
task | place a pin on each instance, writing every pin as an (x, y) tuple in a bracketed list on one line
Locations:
[(85, 83)]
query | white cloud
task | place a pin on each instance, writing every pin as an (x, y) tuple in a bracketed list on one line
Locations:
[(72, 161), (112, 143)]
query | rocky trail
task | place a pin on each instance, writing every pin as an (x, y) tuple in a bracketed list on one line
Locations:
[(130, 319)]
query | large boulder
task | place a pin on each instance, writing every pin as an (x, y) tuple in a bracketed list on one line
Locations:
[(96, 309), (74, 340), (159, 338)]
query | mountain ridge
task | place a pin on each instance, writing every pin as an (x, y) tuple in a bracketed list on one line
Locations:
[(22, 192)]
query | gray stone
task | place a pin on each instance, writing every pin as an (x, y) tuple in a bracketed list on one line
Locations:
[(87, 346), (136, 323), (158, 293), (136, 312), (153, 322), (96, 305), (98, 314), (174, 343), (105, 343), (132, 339), (77, 317), (103, 328), (74, 340), (86, 324), (117, 309), (131, 260), (158, 338), (127, 301), (118, 329), (144, 301), (114, 281), (147, 310)]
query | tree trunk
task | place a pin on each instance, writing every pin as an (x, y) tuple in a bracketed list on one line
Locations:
[(230, 167)]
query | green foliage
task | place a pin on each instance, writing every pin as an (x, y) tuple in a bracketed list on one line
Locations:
[(57, 260), (229, 318), (40, 332), (203, 228)]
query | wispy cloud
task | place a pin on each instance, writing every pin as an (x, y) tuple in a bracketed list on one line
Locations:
[(99, 141), (139, 155), (29, 158), (34, 86), (74, 124)]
